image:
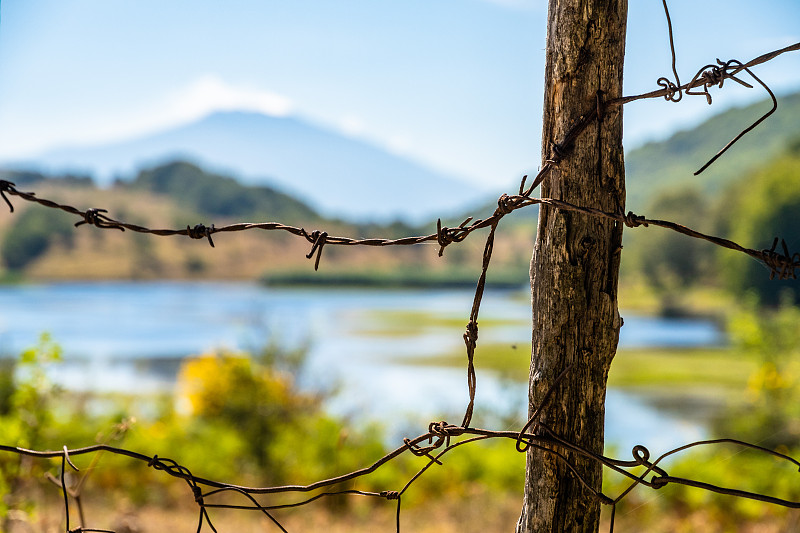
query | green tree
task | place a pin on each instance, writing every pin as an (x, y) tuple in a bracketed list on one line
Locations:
[(32, 233), (214, 194), (668, 261), (766, 205)]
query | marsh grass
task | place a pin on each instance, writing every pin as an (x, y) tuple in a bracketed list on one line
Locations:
[(400, 323)]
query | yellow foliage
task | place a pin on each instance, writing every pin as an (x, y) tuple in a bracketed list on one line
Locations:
[(210, 383)]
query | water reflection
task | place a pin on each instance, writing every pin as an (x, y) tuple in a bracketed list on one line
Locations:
[(130, 337)]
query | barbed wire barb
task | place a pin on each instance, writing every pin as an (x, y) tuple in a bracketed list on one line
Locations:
[(442, 437)]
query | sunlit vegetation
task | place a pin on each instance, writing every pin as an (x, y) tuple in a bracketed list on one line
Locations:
[(241, 418)]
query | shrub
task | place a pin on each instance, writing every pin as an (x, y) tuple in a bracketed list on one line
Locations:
[(32, 233)]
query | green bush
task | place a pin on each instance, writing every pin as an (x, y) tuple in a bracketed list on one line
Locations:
[(32, 233), (771, 415)]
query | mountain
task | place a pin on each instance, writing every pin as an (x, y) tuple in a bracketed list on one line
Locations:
[(658, 166), (338, 175)]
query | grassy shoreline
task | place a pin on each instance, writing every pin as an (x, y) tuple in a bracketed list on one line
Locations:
[(405, 278)]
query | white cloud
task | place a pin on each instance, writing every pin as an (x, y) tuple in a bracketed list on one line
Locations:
[(210, 93), (352, 126), (202, 96), (400, 145)]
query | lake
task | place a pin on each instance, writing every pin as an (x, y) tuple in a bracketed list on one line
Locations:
[(130, 336)]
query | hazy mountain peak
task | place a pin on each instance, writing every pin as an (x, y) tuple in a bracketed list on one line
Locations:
[(336, 174)]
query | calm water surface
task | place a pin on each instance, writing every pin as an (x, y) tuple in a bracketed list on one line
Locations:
[(129, 337)]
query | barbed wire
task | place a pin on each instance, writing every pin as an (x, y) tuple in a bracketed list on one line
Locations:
[(439, 437), (535, 433), (780, 262), (710, 76)]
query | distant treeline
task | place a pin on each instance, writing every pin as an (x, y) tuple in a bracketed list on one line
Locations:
[(196, 194), (761, 205)]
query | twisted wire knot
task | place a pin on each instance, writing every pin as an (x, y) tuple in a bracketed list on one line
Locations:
[(633, 220), (198, 494), (658, 482), (443, 429), (445, 235), (390, 494), (558, 151), (641, 456), (95, 217), (201, 231), (671, 88), (318, 238), (471, 334), (506, 204), (7, 187), (425, 451), (781, 265), (715, 75)]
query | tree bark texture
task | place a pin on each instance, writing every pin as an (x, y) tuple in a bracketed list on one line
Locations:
[(575, 262)]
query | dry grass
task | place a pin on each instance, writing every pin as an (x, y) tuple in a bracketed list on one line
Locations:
[(476, 512), (111, 254)]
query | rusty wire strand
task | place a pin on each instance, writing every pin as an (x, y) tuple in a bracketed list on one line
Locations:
[(661, 93), (783, 266), (506, 204), (751, 126), (546, 441), (522, 446), (671, 88), (780, 262), (709, 76), (543, 438)]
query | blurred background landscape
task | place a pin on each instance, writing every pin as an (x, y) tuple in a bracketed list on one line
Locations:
[(244, 364)]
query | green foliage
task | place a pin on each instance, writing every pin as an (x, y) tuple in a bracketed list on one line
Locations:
[(656, 167), (28, 417), (32, 233), (668, 261), (7, 385), (255, 400), (213, 194), (234, 390), (772, 414), (209, 448), (24, 178), (418, 277), (767, 205), (724, 465), (34, 396)]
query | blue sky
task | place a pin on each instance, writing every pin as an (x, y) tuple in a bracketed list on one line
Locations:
[(456, 84)]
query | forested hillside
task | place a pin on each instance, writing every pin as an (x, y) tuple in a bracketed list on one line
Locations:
[(752, 186), (38, 243), (657, 167)]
